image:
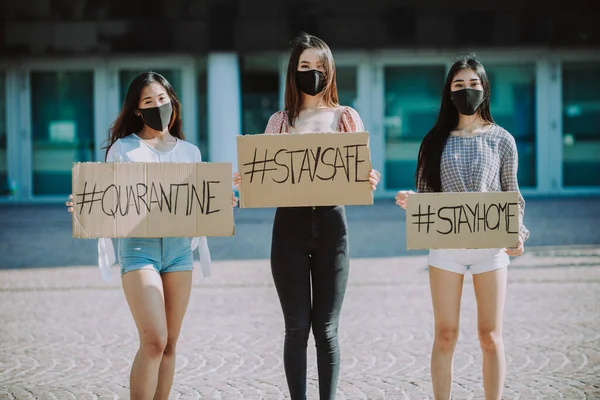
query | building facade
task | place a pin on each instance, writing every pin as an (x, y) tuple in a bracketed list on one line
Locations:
[(66, 66)]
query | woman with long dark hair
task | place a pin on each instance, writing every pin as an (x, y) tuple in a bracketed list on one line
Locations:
[(309, 248), (466, 151), (156, 272)]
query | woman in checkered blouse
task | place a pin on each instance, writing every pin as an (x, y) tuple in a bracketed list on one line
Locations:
[(466, 151)]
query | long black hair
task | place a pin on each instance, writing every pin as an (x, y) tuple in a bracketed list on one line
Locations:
[(428, 174), (128, 122)]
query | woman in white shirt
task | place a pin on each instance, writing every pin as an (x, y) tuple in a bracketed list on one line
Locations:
[(156, 272)]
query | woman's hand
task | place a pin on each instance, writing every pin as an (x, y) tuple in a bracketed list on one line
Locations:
[(374, 177), (402, 198), (69, 204), (516, 251), (237, 179)]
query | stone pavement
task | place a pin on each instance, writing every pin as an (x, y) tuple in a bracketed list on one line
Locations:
[(65, 334)]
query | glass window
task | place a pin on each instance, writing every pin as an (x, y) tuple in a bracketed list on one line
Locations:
[(346, 84), (5, 187), (513, 108), (581, 124), (260, 91), (412, 99), (203, 111), (62, 111), (128, 75)]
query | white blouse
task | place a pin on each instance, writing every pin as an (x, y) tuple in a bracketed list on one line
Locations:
[(133, 149)]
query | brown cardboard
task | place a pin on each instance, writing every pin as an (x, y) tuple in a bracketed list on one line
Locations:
[(462, 220), (299, 170), (156, 200)]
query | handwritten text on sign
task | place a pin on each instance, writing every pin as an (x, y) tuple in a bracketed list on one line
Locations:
[(462, 220), (140, 198), (152, 200), (314, 169)]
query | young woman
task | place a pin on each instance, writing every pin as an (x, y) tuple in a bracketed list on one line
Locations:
[(309, 248), (156, 273), (466, 151)]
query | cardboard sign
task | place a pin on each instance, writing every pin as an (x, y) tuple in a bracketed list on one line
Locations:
[(313, 169), (152, 200), (462, 220)]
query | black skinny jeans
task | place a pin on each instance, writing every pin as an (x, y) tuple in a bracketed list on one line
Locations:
[(310, 242)]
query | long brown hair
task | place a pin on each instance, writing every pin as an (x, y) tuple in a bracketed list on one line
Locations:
[(428, 174), (293, 96), (127, 122)]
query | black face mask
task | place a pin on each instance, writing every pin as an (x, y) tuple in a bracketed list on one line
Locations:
[(467, 100), (311, 82), (157, 118)]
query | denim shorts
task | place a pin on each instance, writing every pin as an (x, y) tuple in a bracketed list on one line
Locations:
[(162, 254)]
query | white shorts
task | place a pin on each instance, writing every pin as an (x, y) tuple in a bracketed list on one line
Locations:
[(478, 260)]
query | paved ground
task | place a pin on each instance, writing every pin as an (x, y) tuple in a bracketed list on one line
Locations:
[(40, 236), (64, 334)]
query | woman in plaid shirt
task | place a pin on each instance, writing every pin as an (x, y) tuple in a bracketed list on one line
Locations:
[(466, 151)]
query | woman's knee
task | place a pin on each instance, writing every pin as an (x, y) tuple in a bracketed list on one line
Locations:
[(297, 332), (490, 339), (325, 333), (446, 337), (171, 345), (153, 343)]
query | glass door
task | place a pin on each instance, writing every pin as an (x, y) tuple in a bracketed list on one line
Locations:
[(581, 124), (6, 187), (259, 79), (411, 89), (62, 123), (513, 106), (412, 99)]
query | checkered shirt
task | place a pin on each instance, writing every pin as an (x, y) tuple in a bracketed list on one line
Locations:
[(483, 163)]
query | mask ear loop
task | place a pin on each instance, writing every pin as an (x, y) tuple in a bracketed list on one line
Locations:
[(172, 119), (326, 87)]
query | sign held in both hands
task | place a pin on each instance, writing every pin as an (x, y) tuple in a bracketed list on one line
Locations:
[(462, 220), (152, 200), (312, 169)]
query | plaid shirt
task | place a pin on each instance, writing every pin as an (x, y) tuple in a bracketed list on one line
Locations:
[(484, 163)]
